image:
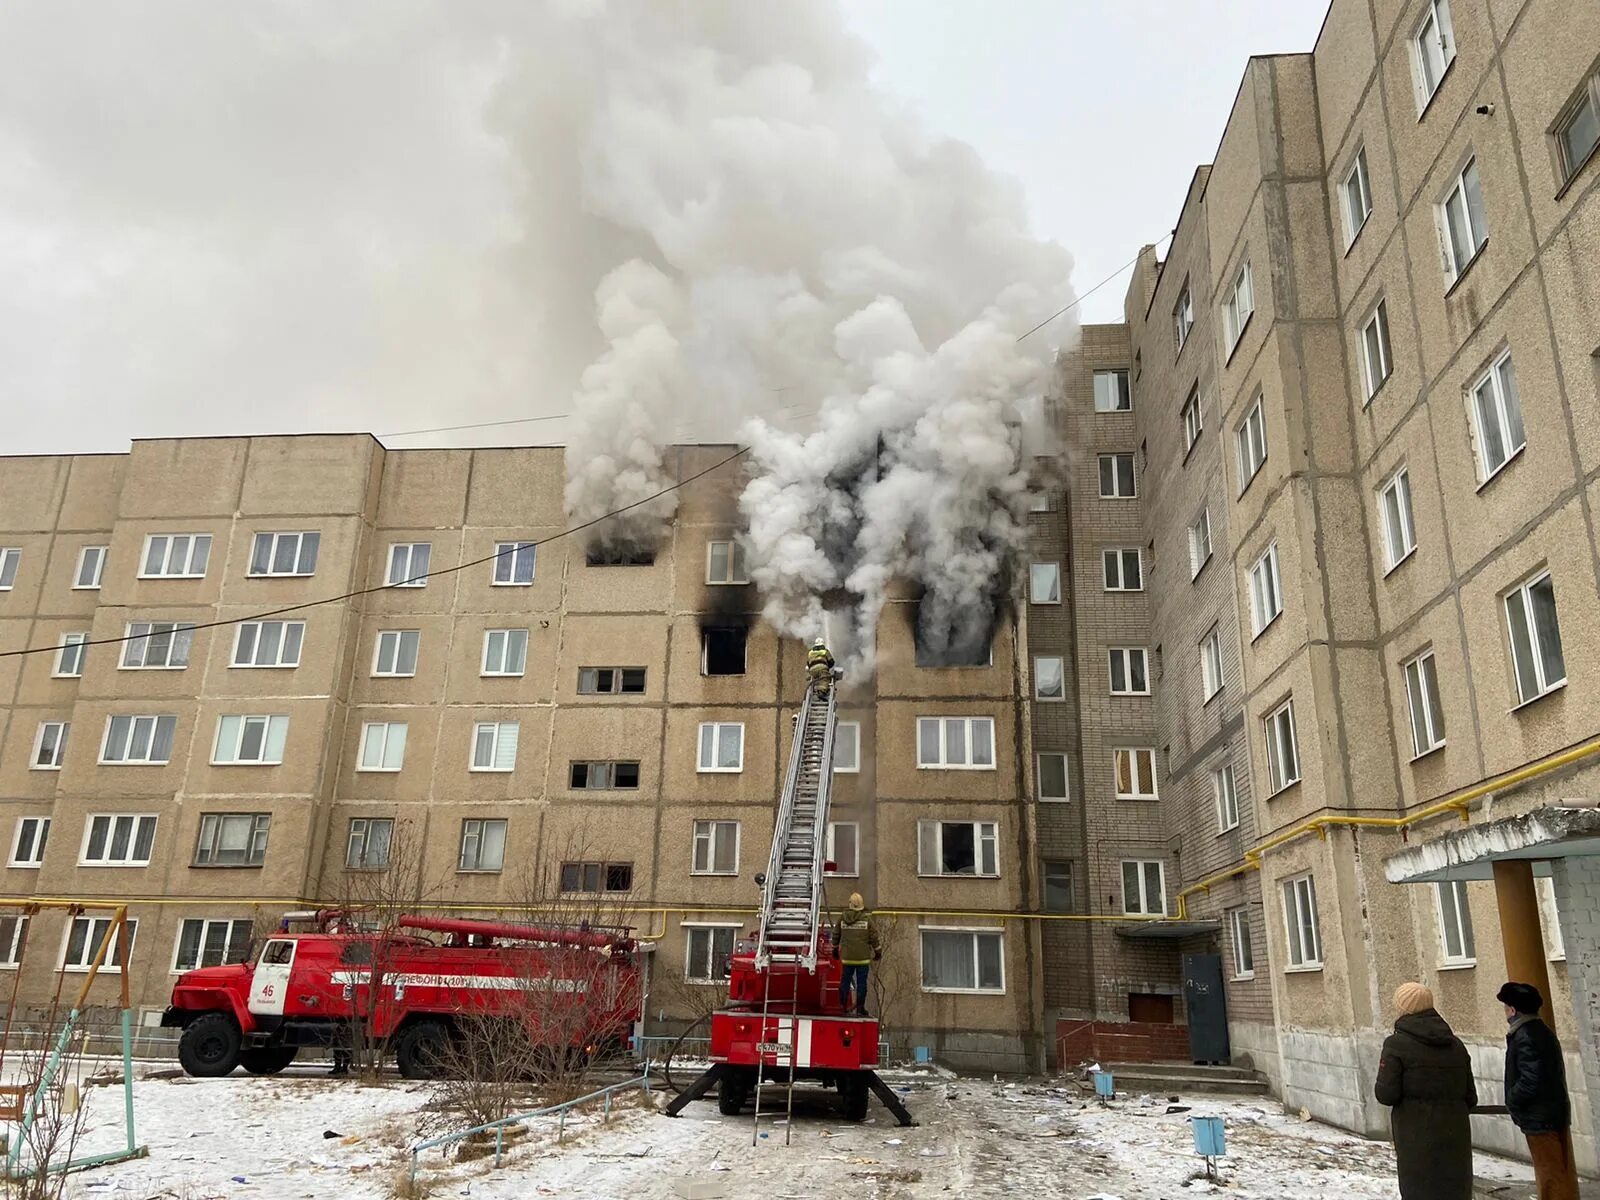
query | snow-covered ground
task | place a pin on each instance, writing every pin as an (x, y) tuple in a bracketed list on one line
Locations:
[(265, 1138)]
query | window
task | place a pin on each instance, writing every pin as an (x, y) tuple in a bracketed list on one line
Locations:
[(176, 556), (396, 652), (1211, 664), (596, 877), (513, 563), (619, 556), (383, 746), (367, 847), (716, 848), (963, 960), (1244, 958), (958, 848), (1578, 128), (1376, 363), (408, 564), (1356, 193), (1250, 442), (69, 658), (86, 935), (1123, 570), (1130, 675), (138, 739), (250, 740), (603, 681), (1455, 923), (1039, 502), (725, 563), (1399, 530), (1191, 420), (956, 743), (721, 746), (844, 848), (1136, 773), (483, 845), (203, 943), (157, 645), (10, 560), (722, 650), (603, 776), (494, 745), (1116, 477), (1144, 887), (13, 936), (1283, 755), (1200, 543), (505, 651), (1241, 303), (847, 748), (1300, 922), (1044, 583), (1226, 796), (1049, 678), (232, 839), (117, 841), (91, 567), (1497, 417), (710, 952), (1053, 776), (1111, 392), (27, 846), (1266, 591), (1433, 49), (50, 745), (285, 554), (1463, 224), (269, 644), (1535, 638), (1183, 316), (1056, 887)]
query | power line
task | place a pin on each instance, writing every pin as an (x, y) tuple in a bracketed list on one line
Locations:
[(510, 549), (473, 425), (1090, 292)]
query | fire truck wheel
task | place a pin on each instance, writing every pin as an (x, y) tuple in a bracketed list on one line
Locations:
[(267, 1060), (732, 1092), (419, 1048), (853, 1092), (210, 1045)]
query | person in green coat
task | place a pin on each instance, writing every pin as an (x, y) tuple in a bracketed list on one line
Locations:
[(855, 944)]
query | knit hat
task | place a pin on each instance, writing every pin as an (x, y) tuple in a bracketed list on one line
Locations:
[(1412, 998), (856, 902), (1523, 997)]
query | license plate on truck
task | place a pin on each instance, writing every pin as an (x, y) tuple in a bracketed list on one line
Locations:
[(772, 1048)]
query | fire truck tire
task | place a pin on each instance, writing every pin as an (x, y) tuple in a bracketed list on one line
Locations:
[(210, 1044), (267, 1060), (732, 1092), (854, 1094), (419, 1048)]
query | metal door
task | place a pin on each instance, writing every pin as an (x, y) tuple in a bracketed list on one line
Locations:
[(270, 983), (1207, 1007)]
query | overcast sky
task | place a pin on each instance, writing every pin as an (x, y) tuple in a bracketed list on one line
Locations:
[(285, 215)]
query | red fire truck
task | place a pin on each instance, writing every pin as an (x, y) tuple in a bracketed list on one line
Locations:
[(405, 990)]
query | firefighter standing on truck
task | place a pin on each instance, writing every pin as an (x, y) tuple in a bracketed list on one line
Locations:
[(855, 944), (819, 665)]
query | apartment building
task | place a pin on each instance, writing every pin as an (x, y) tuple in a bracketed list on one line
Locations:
[(1348, 435)]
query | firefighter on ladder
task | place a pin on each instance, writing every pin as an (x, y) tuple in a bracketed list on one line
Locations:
[(819, 666)]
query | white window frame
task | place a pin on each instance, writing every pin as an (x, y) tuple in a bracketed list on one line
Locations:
[(1374, 337), (1282, 744), (985, 849), (360, 831), (280, 660), (718, 731), (37, 844), (507, 638), (1134, 755), (851, 734), (1504, 408), (942, 762), (130, 858), (1244, 964), (707, 834), (1141, 868), (975, 932), (710, 929), (1299, 894), (1521, 598), (498, 733), (1044, 583), (304, 541), (1193, 421), (1239, 307), (1454, 914), (379, 735), (196, 546), (1211, 678), (736, 569), (140, 637), (395, 640), (1066, 782), (1225, 798), (616, 678), (1585, 99), (259, 833), (831, 853), (1465, 196), (473, 830), (1355, 192), (506, 569), (1200, 544), (274, 729), (1250, 443), (1127, 656), (408, 564), (1396, 519), (1121, 398), (99, 928), (133, 720), (206, 924), (1048, 669), (1266, 589), (58, 752), (91, 569), (13, 929), (1118, 554), (1437, 14), (1424, 706), (77, 642), (1115, 458), (10, 564), (1183, 317)]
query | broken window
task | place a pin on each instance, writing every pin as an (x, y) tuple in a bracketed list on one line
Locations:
[(596, 877), (965, 640), (604, 776), (957, 848), (722, 650), (620, 556)]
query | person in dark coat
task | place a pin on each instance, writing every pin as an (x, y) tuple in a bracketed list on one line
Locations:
[(1536, 1092), (1425, 1076)]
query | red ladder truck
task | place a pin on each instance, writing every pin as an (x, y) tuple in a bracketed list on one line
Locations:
[(783, 1022)]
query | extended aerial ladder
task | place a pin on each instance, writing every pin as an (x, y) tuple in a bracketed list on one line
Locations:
[(783, 1022)]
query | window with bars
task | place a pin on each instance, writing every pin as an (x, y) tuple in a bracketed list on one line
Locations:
[(157, 645), (232, 839), (268, 643), (117, 840), (203, 942), (292, 553)]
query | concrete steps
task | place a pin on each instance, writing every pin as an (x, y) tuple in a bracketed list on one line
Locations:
[(1168, 1079)]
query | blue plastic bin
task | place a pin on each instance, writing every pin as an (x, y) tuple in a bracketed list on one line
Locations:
[(1103, 1085), (1208, 1139)]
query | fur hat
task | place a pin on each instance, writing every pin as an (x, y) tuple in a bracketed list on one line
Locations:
[(856, 902), (1412, 998), (1523, 997)]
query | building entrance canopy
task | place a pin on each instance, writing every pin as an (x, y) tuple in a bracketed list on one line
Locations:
[(1537, 836)]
